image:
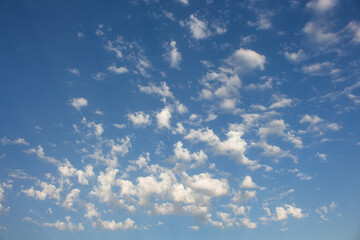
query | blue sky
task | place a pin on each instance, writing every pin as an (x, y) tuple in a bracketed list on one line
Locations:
[(180, 119)]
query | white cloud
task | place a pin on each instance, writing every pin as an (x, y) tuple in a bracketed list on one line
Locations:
[(248, 183), (275, 127), (228, 104), (99, 76), (29, 219), (74, 71), (322, 156), (98, 112), (41, 154), (226, 219), (263, 21), (169, 15), (68, 225), (103, 190), (181, 153), (163, 118), (91, 211), (198, 28), (48, 191), (244, 60), (295, 56), (71, 198), (314, 119), (117, 70), (195, 228), (112, 225), (184, 2), (281, 102), (233, 146), (19, 141), (181, 108), (80, 35), (96, 128), (294, 211), (318, 69), (355, 28), (207, 185), (172, 55), (78, 103), (281, 214), (247, 223), (321, 6), (319, 33), (119, 126), (162, 90), (333, 126), (139, 119), (19, 174), (238, 210)]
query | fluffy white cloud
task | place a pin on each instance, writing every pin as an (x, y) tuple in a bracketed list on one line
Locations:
[(112, 225), (321, 6), (71, 198), (295, 56), (19, 141), (355, 28), (39, 151), (162, 90), (172, 55), (119, 126), (99, 76), (48, 191), (247, 223), (228, 104), (207, 185), (195, 228), (246, 60), (117, 70), (198, 28), (233, 146), (281, 102), (96, 128), (282, 213), (74, 71), (319, 33), (181, 153), (181, 108), (275, 127), (263, 21), (163, 118), (78, 103), (139, 119), (91, 211), (68, 225), (322, 156), (185, 2), (318, 69), (248, 183)]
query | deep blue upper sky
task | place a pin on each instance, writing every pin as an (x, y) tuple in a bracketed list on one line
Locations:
[(180, 119)]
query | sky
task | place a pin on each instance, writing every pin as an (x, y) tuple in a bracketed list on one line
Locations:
[(180, 119)]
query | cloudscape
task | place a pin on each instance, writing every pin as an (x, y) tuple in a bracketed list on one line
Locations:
[(180, 119)]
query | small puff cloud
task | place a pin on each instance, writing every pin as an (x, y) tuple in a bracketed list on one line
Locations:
[(139, 119), (244, 60), (172, 55), (78, 103)]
